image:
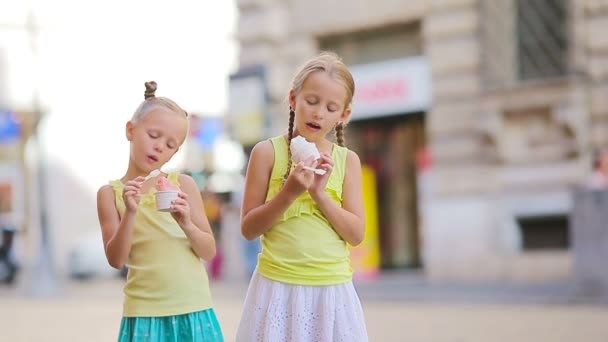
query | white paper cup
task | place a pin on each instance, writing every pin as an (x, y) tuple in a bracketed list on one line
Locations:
[(164, 199)]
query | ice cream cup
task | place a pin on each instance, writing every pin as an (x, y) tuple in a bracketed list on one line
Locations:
[(164, 199)]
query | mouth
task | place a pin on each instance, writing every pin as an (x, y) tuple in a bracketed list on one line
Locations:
[(313, 125), (152, 159)]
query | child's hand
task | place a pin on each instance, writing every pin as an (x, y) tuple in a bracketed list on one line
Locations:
[(131, 194), (320, 182), (180, 210), (300, 179)]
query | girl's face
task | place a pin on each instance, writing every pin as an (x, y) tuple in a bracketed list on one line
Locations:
[(319, 106), (155, 138)]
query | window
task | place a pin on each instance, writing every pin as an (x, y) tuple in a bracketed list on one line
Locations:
[(388, 42), (545, 232), (542, 38), (524, 40)]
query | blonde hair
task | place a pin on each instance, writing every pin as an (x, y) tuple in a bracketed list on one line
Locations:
[(152, 102), (331, 64)]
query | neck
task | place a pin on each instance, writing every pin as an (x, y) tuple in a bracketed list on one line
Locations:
[(133, 172), (324, 145)]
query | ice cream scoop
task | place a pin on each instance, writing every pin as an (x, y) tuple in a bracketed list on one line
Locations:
[(302, 149), (163, 184), (166, 193)]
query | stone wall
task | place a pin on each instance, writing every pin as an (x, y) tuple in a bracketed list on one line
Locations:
[(594, 63)]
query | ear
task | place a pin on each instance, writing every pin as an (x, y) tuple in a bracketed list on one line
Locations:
[(292, 99), (129, 130), (345, 117)]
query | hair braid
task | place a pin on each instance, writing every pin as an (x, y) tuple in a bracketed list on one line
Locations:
[(340, 134), (292, 115)]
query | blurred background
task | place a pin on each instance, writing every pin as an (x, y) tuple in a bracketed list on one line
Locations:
[(482, 127)]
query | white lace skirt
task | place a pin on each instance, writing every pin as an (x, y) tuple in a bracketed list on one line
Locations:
[(277, 312)]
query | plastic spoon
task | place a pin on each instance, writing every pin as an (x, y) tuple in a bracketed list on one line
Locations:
[(152, 174), (317, 171)]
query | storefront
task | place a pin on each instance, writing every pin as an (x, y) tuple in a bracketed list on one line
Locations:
[(387, 132)]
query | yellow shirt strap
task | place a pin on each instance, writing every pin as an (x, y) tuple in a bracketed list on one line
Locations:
[(173, 177)]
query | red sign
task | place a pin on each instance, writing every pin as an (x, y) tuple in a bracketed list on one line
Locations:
[(391, 87), (383, 90)]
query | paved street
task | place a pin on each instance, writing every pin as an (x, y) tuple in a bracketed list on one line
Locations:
[(90, 311)]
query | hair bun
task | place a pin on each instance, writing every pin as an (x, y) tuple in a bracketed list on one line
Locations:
[(150, 89)]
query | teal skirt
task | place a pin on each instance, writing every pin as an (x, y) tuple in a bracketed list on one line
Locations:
[(200, 326)]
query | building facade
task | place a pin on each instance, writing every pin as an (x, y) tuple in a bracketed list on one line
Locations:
[(478, 118)]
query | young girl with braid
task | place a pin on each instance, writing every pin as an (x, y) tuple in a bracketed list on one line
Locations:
[(302, 289), (167, 296)]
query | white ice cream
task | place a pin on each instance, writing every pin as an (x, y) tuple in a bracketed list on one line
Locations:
[(301, 149)]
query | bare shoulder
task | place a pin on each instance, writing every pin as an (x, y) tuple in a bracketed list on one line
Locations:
[(106, 202), (188, 185), (260, 166), (352, 159), (187, 181), (105, 192), (262, 156), (263, 149)]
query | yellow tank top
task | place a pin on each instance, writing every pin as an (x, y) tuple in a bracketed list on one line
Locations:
[(302, 247), (165, 276)]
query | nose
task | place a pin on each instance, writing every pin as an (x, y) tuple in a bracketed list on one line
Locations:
[(317, 114), (158, 147)]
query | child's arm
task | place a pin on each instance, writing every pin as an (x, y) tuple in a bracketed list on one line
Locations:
[(117, 232), (191, 216), (349, 220), (257, 215)]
